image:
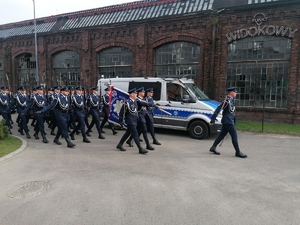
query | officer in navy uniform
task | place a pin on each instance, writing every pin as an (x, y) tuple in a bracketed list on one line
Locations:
[(150, 115), (72, 123), (21, 101), (4, 107), (129, 115), (49, 116), (80, 113), (34, 91), (142, 111), (105, 110), (53, 122), (228, 122), (38, 102), (60, 106), (93, 103)]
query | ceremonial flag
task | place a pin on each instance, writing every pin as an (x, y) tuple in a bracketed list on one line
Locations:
[(116, 100)]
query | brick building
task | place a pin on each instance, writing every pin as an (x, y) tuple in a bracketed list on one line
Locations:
[(253, 44)]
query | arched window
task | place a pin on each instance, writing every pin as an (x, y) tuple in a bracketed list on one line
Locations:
[(259, 66), (115, 62), (66, 68), (26, 71), (177, 59)]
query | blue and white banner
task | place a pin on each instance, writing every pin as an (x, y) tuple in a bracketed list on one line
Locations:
[(116, 100)]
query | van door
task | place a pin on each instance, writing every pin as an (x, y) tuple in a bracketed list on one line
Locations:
[(176, 104)]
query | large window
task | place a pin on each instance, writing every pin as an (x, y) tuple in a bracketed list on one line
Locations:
[(115, 62), (259, 66), (66, 67), (26, 70), (1, 72), (177, 59)]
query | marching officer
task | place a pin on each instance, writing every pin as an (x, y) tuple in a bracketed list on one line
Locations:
[(93, 103), (129, 115), (142, 111), (53, 123), (21, 102), (72, 123), (60, 106), (228, 122), (150, 115), (34, 91), (79, 110), (4, 107), (105, 110), (38, 102), (50, 116)]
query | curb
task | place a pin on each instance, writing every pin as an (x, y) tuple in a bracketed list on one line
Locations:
[(23, 146)]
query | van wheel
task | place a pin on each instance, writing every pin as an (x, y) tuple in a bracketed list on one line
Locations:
[(198, 130)]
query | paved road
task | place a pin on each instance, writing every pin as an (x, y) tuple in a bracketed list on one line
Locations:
[(178, 183)]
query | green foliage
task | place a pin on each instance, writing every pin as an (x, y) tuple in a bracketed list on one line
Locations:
[(290, 129), (3, 130), (9, 145)]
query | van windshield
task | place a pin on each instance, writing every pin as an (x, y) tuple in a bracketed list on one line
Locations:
[(199, 94)]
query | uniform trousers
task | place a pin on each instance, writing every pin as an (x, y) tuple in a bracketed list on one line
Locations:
[(40, 119), (23, 122), (6, 118), (150, 126), (80, 114), (227, 128), (62, 118), (95, 120), (131, 130)]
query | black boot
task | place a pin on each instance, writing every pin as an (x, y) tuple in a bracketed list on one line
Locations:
[(72, 136), (142, 151), (156, 142), (88, 133), (149, 147), (240, 154), (213, 150), (119, 146), (114, 131), (36, 135), (86, 140), (129, 142), (69, 143), (101, 136), (44, 139), (28, 135), (21, 131), (56, 141), (52, 132)]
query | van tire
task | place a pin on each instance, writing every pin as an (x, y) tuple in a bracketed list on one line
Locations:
[(198, 130)]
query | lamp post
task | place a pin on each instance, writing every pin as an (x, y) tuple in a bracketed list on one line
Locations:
[(36, 49)]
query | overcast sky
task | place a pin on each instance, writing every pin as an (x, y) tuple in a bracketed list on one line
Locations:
[(18, 10)]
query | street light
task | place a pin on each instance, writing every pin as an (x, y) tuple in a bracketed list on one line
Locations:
[(36, 49)]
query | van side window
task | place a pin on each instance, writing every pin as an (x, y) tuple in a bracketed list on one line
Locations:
[(155, 85), (175, 92)]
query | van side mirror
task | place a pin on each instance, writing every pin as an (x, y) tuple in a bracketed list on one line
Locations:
[(185, 98)]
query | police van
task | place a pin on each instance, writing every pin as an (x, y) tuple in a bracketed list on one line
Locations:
[(188, 107)]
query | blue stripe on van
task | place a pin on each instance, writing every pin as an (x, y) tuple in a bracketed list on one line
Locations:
[(212, 103)]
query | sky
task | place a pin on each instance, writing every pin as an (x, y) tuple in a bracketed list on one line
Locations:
[(18, 10)]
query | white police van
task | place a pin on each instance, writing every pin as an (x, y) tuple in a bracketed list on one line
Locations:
[(189, 107)]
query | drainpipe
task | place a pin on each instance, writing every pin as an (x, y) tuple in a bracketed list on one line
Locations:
[(212, 62)]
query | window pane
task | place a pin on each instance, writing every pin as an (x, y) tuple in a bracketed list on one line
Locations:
[(66, 66), (115, 62), (177, 59)]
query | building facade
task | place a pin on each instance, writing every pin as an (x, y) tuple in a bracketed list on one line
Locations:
[(252, 44)]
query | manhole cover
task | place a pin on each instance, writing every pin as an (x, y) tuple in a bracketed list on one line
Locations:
[(29, 189)]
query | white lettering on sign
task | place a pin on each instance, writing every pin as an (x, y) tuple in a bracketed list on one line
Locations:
[(261, 30)]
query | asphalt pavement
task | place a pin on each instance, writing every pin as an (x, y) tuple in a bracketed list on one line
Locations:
[(180, 182)]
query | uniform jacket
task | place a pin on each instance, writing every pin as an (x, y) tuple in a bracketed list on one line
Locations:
[(21, 103), (4, 103), (228, 111)]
